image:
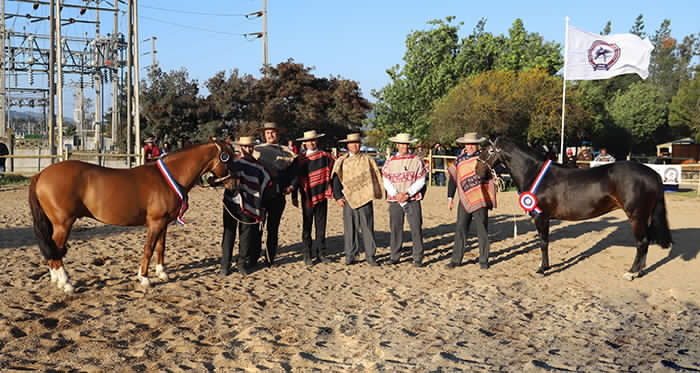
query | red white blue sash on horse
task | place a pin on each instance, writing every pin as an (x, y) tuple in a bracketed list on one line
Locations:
[(175, 187), (527, 200)]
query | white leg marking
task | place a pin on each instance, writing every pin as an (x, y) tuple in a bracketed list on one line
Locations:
[(629, 276), (52, 273), (63, 281), (160, 272), (144, 280)]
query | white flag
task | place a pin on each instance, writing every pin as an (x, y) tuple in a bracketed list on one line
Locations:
[(590, 56)]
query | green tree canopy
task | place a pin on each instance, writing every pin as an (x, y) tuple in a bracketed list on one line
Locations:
[(642, 113), (521, 105), (684, 111)]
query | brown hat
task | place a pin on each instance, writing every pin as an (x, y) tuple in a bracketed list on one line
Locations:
[(352, 137), (271, 126), (311, 135), (470, 138), (245, 141)]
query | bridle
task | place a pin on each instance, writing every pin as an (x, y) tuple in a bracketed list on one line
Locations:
[(492, 152), (224, 157)]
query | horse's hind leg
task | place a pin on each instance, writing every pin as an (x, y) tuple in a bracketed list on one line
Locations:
[(160, 252), (640, 260), (542, 224), (56, 268)]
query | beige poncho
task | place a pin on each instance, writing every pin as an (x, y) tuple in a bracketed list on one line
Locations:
[(360, 177)]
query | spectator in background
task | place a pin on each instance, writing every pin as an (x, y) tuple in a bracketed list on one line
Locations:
[(570, 160), (439, 163), (166, 148), (3, 151), (293, 147), (420, 152), (604, 156), (150, 151)]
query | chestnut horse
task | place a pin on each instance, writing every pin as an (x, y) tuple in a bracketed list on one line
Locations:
[(578, 194), (69, 190)]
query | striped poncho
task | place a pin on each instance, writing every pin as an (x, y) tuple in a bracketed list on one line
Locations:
[(474, 193), (253, 180), (315, 176)]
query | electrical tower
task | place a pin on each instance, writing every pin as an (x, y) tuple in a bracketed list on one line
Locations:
[(39, 63)]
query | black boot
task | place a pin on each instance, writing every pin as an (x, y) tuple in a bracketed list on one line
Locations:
[(322, 256), (242, 269), (307, 256)]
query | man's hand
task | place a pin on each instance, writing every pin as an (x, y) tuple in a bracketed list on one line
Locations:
[(402, 197), (449, 204), (340, 202)]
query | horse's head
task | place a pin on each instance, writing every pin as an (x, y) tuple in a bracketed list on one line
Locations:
[(489, 158), (219, 166)]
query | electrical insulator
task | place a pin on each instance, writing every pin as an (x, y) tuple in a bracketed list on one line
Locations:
[(36, 5), (92, 81), (31, 60), (82, 11), (31, 76)]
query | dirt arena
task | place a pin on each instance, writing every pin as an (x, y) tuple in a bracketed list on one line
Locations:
[(330, 317)]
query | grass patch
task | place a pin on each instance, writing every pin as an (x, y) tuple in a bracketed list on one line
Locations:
[(14, 180)]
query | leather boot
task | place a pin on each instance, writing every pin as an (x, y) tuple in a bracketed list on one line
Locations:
[(322, 256), (307, 256)]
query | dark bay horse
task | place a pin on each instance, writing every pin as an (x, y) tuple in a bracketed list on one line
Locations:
[(578, 194), (69, 190)]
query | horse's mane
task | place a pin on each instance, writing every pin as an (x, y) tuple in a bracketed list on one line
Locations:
[(510, 145)]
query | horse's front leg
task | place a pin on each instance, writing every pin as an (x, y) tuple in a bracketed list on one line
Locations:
[(640, 260), (542, 224), (154, 230), (160, 252)]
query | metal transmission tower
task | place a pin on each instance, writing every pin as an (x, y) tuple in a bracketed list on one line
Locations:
[(94, 61)]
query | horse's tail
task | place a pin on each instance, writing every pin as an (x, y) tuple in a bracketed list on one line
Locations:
[(659, 231), (43, 229)]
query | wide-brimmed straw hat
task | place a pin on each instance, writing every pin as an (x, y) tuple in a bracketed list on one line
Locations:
[(245, 141), (470, 138), (311, 135), (271, 126), (352, 137), (403, 138), (149, 139)]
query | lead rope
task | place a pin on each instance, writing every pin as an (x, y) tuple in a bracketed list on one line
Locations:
[(237, 219)]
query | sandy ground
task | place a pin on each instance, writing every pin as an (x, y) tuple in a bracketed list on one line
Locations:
[(331, 317)]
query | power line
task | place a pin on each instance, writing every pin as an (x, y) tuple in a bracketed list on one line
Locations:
[(191, 27), (195, 12)]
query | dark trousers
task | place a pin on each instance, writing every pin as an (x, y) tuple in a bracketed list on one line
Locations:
[(413, 213), (354, 221), (462, 228), (273, 210), (248, 244), (314, 216)]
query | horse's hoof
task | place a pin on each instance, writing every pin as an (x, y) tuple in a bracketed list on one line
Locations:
[(629, 276), (539, 274), (144, 281), (163, 276), (68, 288)]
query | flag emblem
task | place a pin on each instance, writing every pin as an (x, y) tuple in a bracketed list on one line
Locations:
[(602, 55)]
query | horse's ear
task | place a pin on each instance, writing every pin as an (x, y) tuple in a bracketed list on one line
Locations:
[(228, 140)]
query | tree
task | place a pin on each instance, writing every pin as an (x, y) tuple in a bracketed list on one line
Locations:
[(436, 60), (642, 113), (684, 111), (522, 105), (290, 95), (171, 105)]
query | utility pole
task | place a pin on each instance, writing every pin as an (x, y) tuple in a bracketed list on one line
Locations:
[(3, 127), (115, 78), (98, 126), (59, 92), (265, 35), (52, 86)]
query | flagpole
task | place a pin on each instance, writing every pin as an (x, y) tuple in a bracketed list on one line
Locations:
[(563, 94)]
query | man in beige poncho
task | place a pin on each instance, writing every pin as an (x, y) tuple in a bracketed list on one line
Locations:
[(356, 182), (277, 160)]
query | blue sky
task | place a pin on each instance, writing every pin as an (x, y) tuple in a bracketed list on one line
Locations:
[(356, 40), (360, 39)]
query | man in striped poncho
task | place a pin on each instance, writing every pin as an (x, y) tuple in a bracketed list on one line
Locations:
[(314, 167), (243, 209), (404, 180)]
